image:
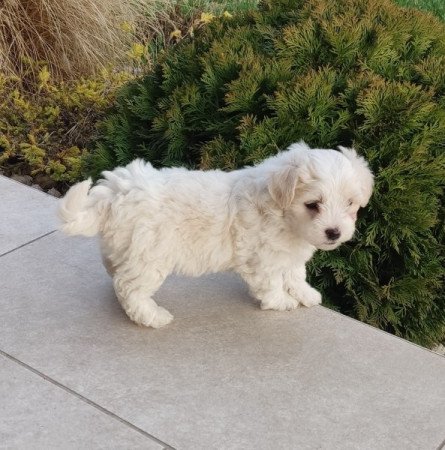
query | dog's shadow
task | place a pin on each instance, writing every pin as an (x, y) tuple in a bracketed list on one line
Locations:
[(186, 297)]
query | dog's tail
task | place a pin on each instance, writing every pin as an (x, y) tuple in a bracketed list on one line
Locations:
[(84, 209), (78, 211)]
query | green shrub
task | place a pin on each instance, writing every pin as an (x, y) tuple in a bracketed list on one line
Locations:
[(436, 7), (349, 72)]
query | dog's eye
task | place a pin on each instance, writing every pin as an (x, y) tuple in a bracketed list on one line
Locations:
[(350, 202), (312, 206)]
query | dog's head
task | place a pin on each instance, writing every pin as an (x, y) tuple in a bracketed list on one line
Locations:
[(320, 192)]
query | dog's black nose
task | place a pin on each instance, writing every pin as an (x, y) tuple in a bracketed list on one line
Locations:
[(333, 234)]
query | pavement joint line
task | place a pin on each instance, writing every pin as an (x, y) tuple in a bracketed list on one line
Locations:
[(386, 333), (86, 400), (27, 243), (441, 446)]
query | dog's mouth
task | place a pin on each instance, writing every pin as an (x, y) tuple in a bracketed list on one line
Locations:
[(329, 245)]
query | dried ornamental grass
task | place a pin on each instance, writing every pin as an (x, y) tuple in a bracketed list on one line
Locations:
[(73, 37), (79, 37)]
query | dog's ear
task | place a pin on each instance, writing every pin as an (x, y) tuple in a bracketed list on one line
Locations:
[(364, 174), (282, 185)]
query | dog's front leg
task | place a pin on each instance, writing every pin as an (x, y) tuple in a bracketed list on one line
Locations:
[(267, 287), (296, 285)]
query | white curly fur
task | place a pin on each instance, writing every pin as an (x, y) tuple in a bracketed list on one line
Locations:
[(263, 222)]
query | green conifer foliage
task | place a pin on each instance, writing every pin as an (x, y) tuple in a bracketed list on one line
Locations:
[(356, 73)]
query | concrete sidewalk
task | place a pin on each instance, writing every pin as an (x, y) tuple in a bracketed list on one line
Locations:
[(76, 373)]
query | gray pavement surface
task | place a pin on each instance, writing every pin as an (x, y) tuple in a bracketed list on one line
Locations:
[(25, 214), (75, 372)]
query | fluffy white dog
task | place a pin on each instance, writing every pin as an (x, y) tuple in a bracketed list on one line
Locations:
[(263, 222)]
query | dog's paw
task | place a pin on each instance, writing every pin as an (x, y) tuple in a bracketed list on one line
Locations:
[(280, 302), (306, 295), (311, 298), (150, 316), (162, 318)]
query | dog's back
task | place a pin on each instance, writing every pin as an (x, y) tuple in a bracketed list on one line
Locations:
[(162, 209)]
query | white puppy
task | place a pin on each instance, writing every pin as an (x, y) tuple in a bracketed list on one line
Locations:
[(263, 222)]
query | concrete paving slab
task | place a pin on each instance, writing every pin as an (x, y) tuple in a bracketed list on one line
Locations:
[(224, 374), (39, 415), (25, 214)]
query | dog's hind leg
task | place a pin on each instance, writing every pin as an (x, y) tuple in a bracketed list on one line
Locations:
[(134, 290)]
